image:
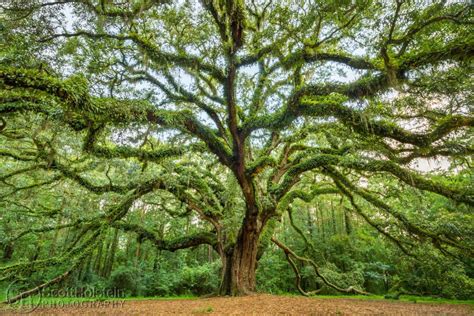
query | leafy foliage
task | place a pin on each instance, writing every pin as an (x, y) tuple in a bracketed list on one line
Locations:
[(329, 141)]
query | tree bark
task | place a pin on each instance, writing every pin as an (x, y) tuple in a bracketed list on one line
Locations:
[(225, 286), (240, 262)]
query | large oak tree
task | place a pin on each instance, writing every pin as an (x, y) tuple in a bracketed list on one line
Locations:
[(237, 108)]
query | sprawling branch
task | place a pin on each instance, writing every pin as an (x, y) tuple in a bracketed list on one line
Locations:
[(327, 101), (347, 187), (75, 97), (409, 177), (152, 51), (290, 252), (170, 245)]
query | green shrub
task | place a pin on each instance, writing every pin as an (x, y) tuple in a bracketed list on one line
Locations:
[(353, 278), (456, 284), (126, 279), (199, 280)]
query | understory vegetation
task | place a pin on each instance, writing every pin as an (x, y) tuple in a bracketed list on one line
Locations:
[(227, 147), (360, 257)]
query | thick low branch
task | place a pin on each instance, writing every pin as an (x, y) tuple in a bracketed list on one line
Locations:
[(290, 252), (156, 155), (298, 277), (170, 245)]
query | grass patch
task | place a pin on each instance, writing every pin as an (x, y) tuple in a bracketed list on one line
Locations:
[(203, 310)]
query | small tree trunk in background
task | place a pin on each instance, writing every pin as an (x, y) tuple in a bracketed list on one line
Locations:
[(156, 261), (145, 252), (156, 264), (138, 252), (386, 281), (85, 268), (8, 246), (67, 237), (34, 257), (333, 216), (347, 222), (52, 248), (188, 223), (8, 251), (54, 242), (321, 222), (98, 259), (310, 222), (111, 254), (209, 253), (106, 255), (128, 247), (36, 253)]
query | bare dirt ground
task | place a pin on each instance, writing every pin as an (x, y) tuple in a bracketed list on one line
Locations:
[(261, 304)]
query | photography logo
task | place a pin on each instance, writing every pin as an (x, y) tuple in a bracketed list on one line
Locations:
[(22, 304)]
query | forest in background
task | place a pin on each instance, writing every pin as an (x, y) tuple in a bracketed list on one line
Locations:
[(226, 147), (349, 251)]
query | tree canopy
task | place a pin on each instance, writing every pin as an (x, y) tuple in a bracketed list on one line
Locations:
[(232, 118)]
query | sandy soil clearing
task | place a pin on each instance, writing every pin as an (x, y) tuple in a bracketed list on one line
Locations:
[(262, 304)]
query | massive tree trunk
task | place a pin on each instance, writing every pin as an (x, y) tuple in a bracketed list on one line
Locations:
[(239, 263)]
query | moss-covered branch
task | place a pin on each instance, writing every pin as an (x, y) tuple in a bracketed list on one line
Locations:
[(184, 242), (290, 252), (347, 187), (409, 177), (152, 51), (327, 101), (73, 94)]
